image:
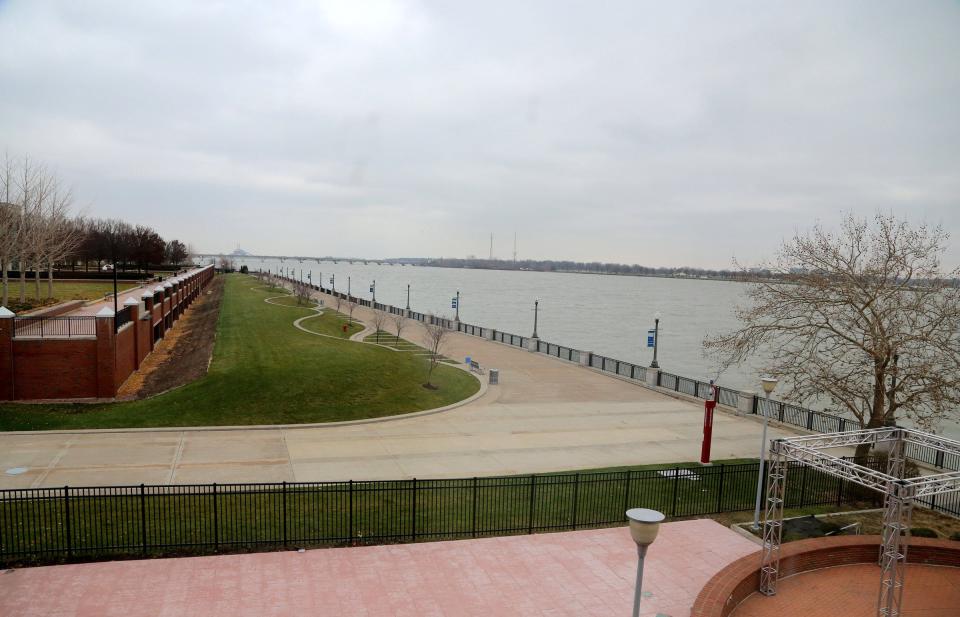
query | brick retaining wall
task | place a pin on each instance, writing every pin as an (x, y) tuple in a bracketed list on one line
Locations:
[(732, 585), (51, 367)]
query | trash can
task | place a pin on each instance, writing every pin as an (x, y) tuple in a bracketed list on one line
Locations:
[(494, 376)]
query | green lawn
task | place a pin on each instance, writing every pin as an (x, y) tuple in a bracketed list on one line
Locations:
[(265, 371), (331, 323), (62, 291)]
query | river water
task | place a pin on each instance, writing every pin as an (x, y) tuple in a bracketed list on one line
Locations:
[(605, 314)]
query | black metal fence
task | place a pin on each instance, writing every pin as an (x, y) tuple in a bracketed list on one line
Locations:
[(54, 327), (52, 524), (123, 317)]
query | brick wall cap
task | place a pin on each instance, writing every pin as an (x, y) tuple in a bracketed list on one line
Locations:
[(105, 312), (131, 302), (158, 290), (5, 313), (146, 296), (167, 285)]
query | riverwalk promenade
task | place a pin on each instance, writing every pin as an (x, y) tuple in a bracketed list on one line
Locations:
[(546, 415)]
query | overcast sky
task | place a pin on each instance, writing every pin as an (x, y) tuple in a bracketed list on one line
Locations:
[(658, 133)]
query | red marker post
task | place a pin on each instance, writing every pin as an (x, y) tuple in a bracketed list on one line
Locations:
[(708, 407)]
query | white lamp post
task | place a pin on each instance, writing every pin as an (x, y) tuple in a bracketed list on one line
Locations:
[(769, 383), (644, 525)]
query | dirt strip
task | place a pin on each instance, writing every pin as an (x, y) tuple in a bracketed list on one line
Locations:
[(183, 355)]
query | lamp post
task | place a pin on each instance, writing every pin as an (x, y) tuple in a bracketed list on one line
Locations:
[(373, 290), (644, 525), (408, 296), (349, 297), (656, 339), (333, 283), (769, 383), (456, 305), (536, 308)]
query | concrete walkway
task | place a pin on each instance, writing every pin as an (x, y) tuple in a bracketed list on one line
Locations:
[(136, 293), (547, 415), (580, 574)]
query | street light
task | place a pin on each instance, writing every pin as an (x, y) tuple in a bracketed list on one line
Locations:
[(644, 525), (408, 296), (656, 339), (536, 307), (769, 383)]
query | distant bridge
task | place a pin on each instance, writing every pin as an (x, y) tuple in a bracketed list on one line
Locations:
[(302, 258)]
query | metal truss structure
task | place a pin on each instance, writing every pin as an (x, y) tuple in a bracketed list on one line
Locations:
[(899, 495)]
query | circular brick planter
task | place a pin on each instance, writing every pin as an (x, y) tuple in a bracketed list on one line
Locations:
[(732, 585)]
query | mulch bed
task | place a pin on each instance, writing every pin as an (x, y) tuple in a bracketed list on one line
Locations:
[(183, 355)]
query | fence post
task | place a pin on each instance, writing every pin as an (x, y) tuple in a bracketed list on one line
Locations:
[(626, 492), (676, 486), (720, 490), (66, 515), (576, 497), (533, 483), (284, 514), (756, 404), (843, 425), (839, 493), (938, 459), (216, 521), (143, 519), (803, 487), (780, 412), (475, 491), (413, 517), (809, 419), (350, 537)]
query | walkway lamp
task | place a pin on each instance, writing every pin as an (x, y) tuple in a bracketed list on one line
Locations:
[(656, 339), (644, 525), (536, 308), (373, 290), (769, 383), (408, 296), (455, 304)]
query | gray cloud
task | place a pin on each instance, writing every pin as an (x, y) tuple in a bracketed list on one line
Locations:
[(623, 131)]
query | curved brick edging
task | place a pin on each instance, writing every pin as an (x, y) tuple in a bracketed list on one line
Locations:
[(732, 585)]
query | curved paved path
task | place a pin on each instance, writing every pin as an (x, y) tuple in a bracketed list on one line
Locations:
[(546, 415)]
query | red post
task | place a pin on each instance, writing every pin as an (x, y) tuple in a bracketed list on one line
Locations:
[(708, 407)]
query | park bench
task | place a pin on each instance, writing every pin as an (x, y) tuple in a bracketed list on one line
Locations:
[(475, 367)]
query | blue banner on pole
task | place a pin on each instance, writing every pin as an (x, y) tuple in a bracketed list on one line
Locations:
[(650, 338), (453, 303)]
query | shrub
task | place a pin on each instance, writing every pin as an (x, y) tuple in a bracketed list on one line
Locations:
[(955, 536), (923, 532)]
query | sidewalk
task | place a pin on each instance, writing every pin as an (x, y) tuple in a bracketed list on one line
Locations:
[(546, 415), (576, 574)]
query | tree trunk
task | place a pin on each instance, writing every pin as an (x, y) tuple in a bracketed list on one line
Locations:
[(23, 282), (6, 281), (36, 280), (50, 281)]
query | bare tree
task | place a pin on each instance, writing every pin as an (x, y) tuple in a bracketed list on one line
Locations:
[(302, 293), (434, 339), (399, 322), (378, 321), (351, 307), (337, 303), (864, 318)]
